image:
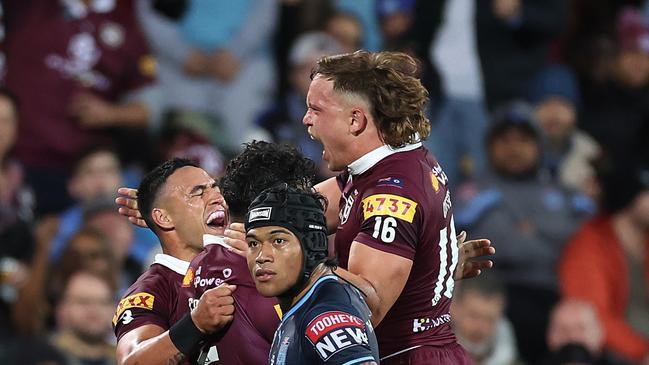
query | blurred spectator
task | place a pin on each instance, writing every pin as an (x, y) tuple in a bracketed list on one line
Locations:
[(32, 351), (216, 59), (189, 135), (408, 26), (575, 335), (83, 318), (365, 12), (612, 252), (568, 153), (616, 112), (459, 125), (30, 308), (102, 216), (478, 312), (284, 119), (347, 30), (96, 175), (88, 250), (396, 18), (83, 82), (528, 217), (16, 204), (513, 38)]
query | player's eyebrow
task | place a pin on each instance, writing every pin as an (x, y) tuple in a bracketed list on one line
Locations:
[(196, 188), (276, 231), (273, 232)]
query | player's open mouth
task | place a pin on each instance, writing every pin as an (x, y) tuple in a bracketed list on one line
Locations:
[(216, 219)]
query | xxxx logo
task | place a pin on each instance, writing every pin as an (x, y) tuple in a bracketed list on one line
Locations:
[(137, 300)]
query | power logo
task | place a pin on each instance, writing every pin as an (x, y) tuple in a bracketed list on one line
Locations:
[(332, 332)]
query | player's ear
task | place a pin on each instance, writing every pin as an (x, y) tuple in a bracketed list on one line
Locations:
[(358, 121), (162, 218)]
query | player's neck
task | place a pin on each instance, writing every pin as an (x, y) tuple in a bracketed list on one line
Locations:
[(181, 252), (287, 303)]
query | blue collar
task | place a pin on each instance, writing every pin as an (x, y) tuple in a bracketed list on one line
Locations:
[(308, 295)]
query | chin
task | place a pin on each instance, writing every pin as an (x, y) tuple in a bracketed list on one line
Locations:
[(335, 168), (265, 291)]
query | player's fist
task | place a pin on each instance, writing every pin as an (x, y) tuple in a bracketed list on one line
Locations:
[(215, 309)]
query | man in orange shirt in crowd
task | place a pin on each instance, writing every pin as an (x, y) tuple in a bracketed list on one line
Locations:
[(607, 263)]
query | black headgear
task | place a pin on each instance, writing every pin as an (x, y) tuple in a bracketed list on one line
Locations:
[(301, 213)]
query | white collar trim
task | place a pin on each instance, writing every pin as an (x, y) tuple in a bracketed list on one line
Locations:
[(371, 158), (210, 239), (170, 262)]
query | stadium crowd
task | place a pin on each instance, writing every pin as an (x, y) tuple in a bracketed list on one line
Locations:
[(539, 114)]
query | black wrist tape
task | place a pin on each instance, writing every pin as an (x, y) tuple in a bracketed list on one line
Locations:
[(186, 336)]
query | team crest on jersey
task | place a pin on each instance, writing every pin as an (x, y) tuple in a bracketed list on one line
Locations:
[(391, 205), (334, 331), (189, 276), (138, 300)]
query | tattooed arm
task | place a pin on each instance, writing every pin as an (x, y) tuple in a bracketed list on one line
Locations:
[(148, 344)]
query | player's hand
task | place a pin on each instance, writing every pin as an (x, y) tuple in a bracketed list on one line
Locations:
[(473, 257), (127, 201), (92, 111), (215, 309), (235, 236)]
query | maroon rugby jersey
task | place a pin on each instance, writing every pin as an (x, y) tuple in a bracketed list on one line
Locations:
[(398, 202), (153, 298), (56, 49), (248, 339)]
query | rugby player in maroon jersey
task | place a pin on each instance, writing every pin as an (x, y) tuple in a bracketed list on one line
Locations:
[(260, 166), (394, 220), (238, 185), (181, 202)]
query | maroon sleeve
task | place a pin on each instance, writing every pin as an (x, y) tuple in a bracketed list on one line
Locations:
[(391, 216), (148, 301)]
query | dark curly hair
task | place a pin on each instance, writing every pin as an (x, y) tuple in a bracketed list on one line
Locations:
[(260, 166), (388, 82)]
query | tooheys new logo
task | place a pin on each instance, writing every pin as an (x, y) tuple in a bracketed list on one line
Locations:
[(334, 331)]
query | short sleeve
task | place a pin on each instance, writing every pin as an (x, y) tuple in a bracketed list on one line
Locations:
[(336, 336), (139, 309), (390, 217)]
